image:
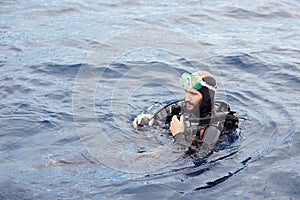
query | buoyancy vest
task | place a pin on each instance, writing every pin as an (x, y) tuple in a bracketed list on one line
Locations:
[(221, 117)]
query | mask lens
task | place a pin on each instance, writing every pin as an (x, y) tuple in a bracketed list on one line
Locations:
[(192, 81), (195, 81), (185, 80)]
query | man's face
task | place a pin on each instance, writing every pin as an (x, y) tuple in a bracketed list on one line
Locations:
[(193, 99)]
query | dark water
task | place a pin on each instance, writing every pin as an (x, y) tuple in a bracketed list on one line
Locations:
[(74, 74)]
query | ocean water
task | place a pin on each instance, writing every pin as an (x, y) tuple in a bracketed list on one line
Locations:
[(74, 74)]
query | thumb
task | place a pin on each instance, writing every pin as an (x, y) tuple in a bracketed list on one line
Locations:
[(181, 120), (174, 118)]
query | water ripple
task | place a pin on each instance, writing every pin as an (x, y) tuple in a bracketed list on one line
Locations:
[(254, 47)]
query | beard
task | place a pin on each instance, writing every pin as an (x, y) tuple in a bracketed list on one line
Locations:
[(192, 108)]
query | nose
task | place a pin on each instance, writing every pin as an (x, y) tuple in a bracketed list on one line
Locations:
[(187, 96)]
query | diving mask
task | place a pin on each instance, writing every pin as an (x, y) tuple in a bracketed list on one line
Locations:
[(194, 81)]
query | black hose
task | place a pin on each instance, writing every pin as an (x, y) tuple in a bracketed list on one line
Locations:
[(144, 122)]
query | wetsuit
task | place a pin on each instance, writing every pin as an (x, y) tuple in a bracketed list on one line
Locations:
[(202, 131)]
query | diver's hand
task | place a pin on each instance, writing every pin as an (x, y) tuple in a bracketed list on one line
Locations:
[(138, 121), (176, 125)]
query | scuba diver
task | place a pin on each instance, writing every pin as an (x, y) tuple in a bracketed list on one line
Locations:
[(200, 121)]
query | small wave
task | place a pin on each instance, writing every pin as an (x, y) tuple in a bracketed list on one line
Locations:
[(52, 69)]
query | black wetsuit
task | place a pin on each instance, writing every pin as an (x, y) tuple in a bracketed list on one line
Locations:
[(205, 131)]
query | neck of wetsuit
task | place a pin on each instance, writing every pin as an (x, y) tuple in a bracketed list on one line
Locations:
[(207, 103)]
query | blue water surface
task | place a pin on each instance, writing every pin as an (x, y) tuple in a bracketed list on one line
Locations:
[(74, 74)]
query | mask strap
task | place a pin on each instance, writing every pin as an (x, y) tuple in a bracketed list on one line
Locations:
[(203, 83)]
